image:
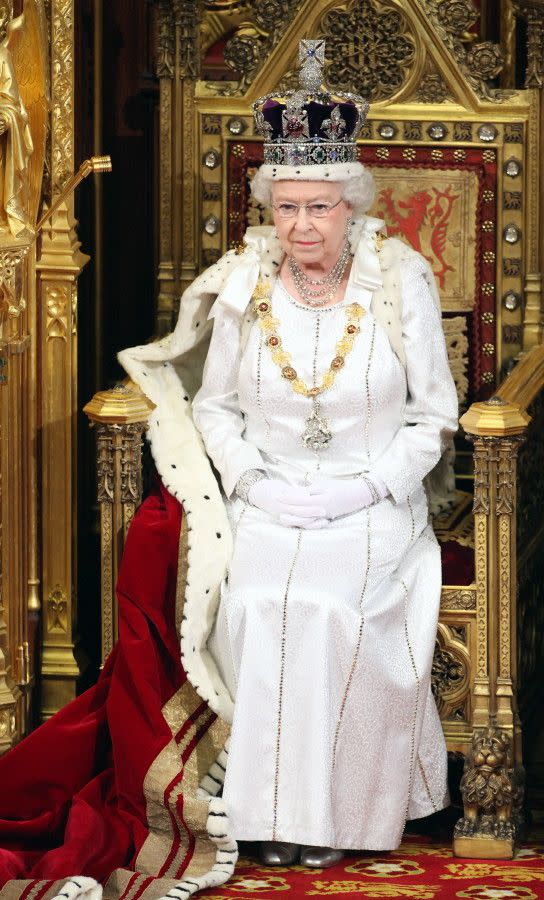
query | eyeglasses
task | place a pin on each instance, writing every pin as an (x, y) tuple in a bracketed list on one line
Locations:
[(315, 210)]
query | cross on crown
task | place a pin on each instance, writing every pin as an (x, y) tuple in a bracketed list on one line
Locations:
[(312, 50), (311, 56)]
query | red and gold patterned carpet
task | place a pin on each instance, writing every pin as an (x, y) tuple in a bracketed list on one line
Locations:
[(423, 868)]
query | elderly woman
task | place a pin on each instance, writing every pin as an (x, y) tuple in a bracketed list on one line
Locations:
[(323, 406), (312, 574)]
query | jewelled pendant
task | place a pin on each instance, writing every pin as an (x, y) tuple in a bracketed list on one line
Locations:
[(317, 434)]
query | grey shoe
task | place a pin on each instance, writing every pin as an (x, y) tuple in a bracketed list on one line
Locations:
[(278, 853), (320, 857)]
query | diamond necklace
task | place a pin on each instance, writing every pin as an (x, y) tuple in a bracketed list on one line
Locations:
[(319, 291)]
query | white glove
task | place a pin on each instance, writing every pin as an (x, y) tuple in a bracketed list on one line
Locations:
[(342, 496), (292, 505)]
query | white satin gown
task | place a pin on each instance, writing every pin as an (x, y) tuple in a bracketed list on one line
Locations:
[(325, 637)]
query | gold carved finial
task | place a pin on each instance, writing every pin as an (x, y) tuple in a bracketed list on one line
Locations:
[(101, 163), (120, 418), (495, 418), (122, 405)]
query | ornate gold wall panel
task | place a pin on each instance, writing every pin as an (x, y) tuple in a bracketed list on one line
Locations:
[(23, 110), (59, 265), (38, 403)]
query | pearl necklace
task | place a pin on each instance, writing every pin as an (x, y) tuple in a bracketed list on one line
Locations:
[(319, 291)]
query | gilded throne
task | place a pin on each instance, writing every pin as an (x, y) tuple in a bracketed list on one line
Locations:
[(454, 159)]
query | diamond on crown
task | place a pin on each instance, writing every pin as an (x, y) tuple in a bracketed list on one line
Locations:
[(311, 56), (294, 122), (334, 127)]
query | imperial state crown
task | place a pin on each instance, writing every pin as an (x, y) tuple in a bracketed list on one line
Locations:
[(310, 125)]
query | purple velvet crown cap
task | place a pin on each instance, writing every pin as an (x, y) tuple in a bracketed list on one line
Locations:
[(324, 119)]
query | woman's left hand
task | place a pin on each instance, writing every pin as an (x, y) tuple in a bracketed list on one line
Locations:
[(342, 496)]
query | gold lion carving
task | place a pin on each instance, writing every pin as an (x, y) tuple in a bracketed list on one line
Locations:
[(490, 788)]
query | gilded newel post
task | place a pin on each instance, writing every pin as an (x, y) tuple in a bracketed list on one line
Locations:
[(59, 266), (120, 417), (492, 781)]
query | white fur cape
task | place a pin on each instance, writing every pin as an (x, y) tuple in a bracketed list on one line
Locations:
[(169, 373)]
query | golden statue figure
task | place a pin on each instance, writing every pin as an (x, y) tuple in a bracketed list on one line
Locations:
[(16, 144)]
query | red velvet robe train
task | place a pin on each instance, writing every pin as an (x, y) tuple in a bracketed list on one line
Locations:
[(76, 795)]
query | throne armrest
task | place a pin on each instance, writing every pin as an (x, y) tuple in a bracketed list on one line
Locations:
[(120, 417), (497, 427)]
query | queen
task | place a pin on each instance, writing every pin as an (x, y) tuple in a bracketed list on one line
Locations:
[(314, 578)]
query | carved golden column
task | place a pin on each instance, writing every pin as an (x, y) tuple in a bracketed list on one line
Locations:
[(34, 600), (533, 12), (16, 460), (508, 43), (178, 63), (120, 417), (496, 427), (165, 74), (59, 265), (9, 693)]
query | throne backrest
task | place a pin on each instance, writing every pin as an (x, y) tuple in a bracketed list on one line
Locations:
[(440, 200), (451, 155), (456, 161)]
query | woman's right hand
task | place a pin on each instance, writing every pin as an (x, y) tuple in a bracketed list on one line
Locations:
[(292, 505)]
